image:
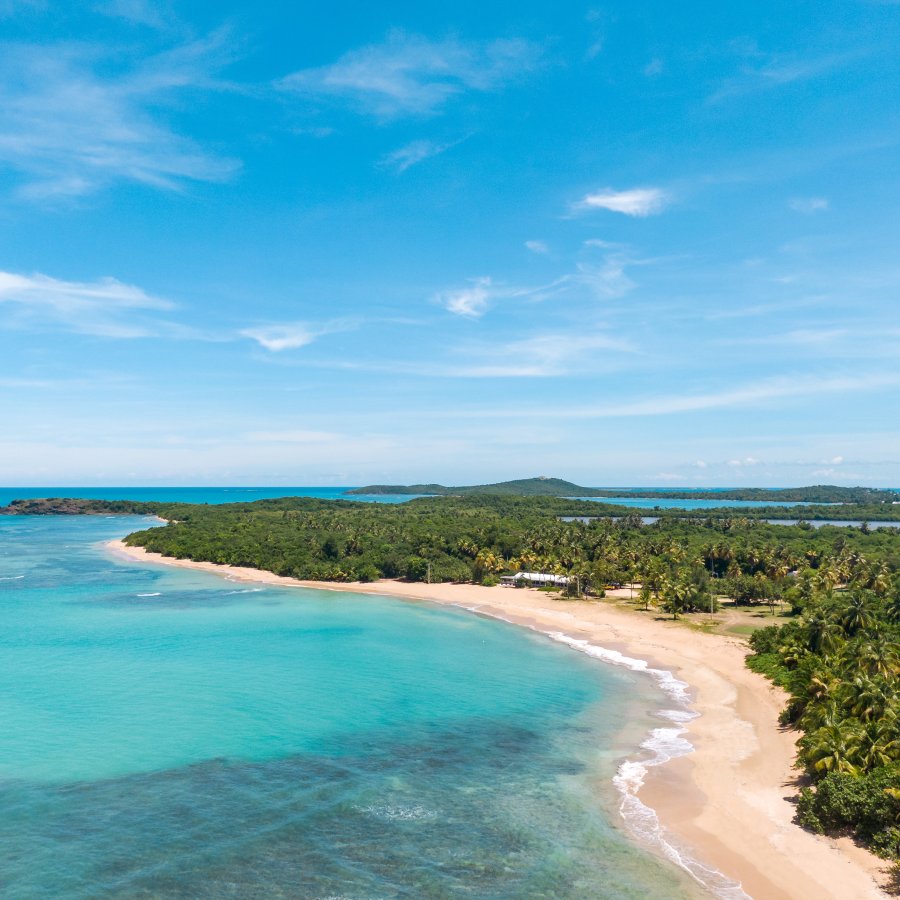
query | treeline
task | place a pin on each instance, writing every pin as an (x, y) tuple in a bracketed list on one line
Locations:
[(68, 506), (556, 487), (840, 664), (476, 538), (555, 505)]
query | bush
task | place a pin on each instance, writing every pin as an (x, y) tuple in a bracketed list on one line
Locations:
[(416, 568), (367, 573), (859, 804), (766, 640), (770, 665), (490, 581)]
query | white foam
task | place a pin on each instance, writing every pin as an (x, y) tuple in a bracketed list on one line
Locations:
[(11, 577), (245, 591), (156, 594), (661, 746), (398, 812)]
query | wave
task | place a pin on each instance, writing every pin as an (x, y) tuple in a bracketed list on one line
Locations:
[(11, 577), (245, 591), (154, 594), (663, 745)]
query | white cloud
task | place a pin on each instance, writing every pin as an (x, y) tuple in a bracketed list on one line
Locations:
[(293, 335), (701, 464), (541, 356), (105, 308), (471, 302), (653, 68), (538, 247), (412, 154), (808, 205), (638, 202), (69, 130), (746, 461), (411, 75), (475, 300), (281, 337)]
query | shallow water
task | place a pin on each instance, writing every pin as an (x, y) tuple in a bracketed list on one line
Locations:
[(168, 733)]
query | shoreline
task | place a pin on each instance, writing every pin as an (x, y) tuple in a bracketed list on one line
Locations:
[(726, 801)]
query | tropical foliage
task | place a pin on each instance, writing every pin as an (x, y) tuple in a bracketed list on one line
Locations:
[(840, 663)]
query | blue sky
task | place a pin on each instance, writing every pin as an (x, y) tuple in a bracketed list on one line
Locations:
[(625, 243)]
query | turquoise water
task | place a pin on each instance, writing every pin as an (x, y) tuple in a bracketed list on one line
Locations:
[(248, 494), (192, 494), (679, 503), (169, 733)]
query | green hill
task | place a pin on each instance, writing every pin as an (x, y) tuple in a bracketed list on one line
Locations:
[(558, 487)]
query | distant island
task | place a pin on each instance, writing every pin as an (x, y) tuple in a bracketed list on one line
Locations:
[(544, 486)]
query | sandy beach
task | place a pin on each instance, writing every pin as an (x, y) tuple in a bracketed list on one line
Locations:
[(729, 800)]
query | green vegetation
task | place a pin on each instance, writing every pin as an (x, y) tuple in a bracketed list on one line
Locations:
[(557, 487), (684, 562), (65, 506), (840, 663)]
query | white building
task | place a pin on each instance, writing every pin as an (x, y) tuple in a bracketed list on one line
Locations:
[(534, 579)]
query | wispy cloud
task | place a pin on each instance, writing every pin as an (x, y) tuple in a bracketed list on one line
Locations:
[(808, 205), (411, 75), (739, 463), (539, 247), (607, 279), (471, 302), (413, 153), (104, 308), (540, 356), (294, 335), (638, 202), (750, 395), (74, 119), (474, 300), (764, 71)]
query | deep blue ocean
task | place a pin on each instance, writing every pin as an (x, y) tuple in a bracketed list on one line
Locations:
[(169, 733)]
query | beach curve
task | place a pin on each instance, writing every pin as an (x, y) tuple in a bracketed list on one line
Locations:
[(722, 806)]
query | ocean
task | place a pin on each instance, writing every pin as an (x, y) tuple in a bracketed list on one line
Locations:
[(170, 733), (249, 494)]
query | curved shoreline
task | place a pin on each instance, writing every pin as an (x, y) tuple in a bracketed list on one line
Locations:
[(727, 801)]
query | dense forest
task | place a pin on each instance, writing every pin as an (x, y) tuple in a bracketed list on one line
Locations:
[(473, 538)]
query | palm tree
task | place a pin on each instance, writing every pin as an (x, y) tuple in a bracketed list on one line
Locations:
[(857, 614), (833, 748)]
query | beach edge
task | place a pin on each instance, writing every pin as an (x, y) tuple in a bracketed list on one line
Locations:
[(727, 803)]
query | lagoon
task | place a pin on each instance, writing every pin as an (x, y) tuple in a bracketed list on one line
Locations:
[(170, 733)]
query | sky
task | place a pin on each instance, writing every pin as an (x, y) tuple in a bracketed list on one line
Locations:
[(345, 243)]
